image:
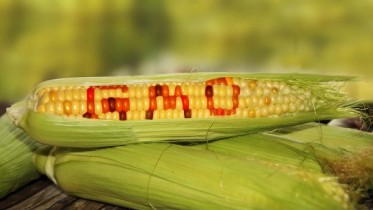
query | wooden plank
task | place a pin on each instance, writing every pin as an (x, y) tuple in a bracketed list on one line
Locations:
[(47, 194), (27, 192)]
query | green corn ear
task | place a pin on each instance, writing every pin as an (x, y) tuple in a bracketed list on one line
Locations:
[(171, 176), (326, 102), (16, 147)]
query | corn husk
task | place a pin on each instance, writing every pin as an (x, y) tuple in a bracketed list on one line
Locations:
[(16, 147), (169, 176), (341, 152), (79, 132)]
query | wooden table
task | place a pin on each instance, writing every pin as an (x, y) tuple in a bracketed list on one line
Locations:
[(43, 194)]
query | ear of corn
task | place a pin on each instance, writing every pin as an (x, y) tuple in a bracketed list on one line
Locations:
[(176, 107), (16, 147), (346, 140), (170, 176)]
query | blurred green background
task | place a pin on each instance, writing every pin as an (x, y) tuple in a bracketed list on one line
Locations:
[(43, 39)]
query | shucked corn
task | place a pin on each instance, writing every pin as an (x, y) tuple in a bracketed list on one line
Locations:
[(224, 96), (174, 107)]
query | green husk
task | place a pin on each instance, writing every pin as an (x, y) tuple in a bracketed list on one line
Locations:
[(68, 132), (341, 152), (16, 148), (171, 176)]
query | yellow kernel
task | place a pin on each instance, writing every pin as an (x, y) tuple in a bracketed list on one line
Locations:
[(292, 107), (203, 101), (175, 114), (258, 113), (67, 107), (201, 113), (271, 109), (267, 100), (252, 113), (115, 115), (41, 108), (159, 100), (236, 80), (75, 105), (279, 99), (183, 87), (191, 89), (265, 112), (111, 93), (100, 116), (245, 113), (83, 93), (241, 102), (191, 102), (44, 98), (82, 107), (254, 100), (138, 90), (207, 113), (76, 93), (105, 93), (252, 84), (274, 90), (142, 115), (98, 107), (136, 115), (239, 113), (129, 115), (202, 89), (171, 89), (286, 99), (162, 114), (248, 101), (246, 92), (140, 104), (68, 94), (98, 95), (223, 102), (144, 90), (229, 103), (156, 114), (266, 91), (131, 91), (179, 103), (216, 100), (108, 116), (118, 93), (53, 95), (61, 95), (125, 94), (197, 102), (261, 102), (50, 107), (169, 114), (278, 110), (229, 90), (145, 101), (258, 91), (285, 108), (133, 104), (194, 113), (222, 90), (59, 108)]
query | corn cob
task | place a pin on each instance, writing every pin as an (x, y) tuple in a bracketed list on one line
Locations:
[(170, 176), (16, 147), (94, 112)]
